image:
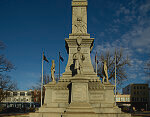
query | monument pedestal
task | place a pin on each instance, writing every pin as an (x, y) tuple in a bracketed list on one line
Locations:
[(79, 96)]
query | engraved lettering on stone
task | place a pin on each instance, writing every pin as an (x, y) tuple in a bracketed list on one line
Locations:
[(79, 93), (95, 96), (61, 96)]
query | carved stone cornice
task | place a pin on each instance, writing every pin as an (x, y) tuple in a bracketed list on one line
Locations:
[(79, 3), (58, 86), (73, 43), (95, 85), (85, 42)]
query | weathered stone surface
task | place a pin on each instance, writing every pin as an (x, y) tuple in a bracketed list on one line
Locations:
[(79, 94)]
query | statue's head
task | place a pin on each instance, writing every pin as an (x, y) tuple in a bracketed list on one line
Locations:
[(105, 61), (78, 48), (53, 61)]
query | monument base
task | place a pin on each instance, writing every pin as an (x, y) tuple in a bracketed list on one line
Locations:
[(95, 115), (79, 98), (79, 108), (78, 114)]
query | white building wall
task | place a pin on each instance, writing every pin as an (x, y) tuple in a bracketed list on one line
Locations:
[(18, 98)]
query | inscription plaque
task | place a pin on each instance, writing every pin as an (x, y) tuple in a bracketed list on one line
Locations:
[(60, 96), (79, 92), (96, 96)]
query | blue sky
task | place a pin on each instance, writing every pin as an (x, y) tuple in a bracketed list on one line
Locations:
[(28, 27)]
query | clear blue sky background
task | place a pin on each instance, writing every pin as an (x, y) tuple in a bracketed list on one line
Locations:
[(28, 27)]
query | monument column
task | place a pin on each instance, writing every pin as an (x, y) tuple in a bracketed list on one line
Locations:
[(79, 38), (79, 16)]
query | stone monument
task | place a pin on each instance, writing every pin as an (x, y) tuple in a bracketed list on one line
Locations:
[(105, 72), (79, 92), (78, 61), (53, 71)]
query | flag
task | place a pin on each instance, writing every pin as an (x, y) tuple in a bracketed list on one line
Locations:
[(96, 58), (44, 58), (61, 58)]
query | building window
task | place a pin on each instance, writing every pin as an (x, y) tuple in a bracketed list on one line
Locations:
[(118, 99), (8, 94), (134, 93), (128, 99), (137, 87), (137, 93), (22, 93), (141, 93), (28, 93), (145, 99), (122, 99), (140, 87), (134, 87), (143, 87), (133, 99), (137, 99), (14, 93)]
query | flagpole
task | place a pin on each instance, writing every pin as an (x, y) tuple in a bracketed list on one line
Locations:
[(42, 79), (115, 77), (59, 65), (96, 63)]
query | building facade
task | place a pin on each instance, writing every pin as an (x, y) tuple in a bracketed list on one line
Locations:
[(139, 95), (19, 99), (123, 100), (149, 98)]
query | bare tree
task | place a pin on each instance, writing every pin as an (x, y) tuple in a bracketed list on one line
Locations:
[(37, 88), (46, 79), (6, 84), (121, 63)]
